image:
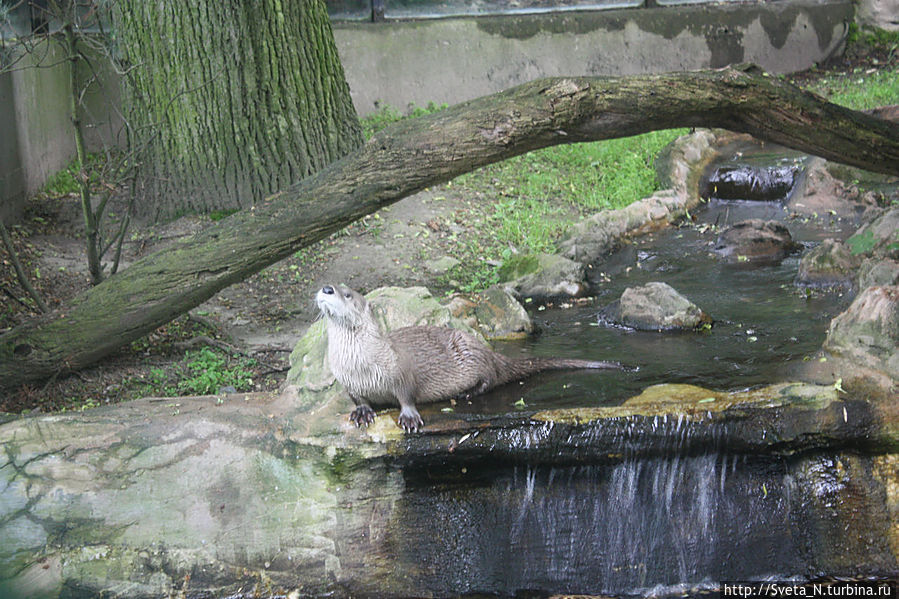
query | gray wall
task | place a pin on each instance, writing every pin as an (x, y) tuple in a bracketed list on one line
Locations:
[(36, 137), (451, 60)]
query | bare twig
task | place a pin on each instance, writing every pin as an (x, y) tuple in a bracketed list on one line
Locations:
[(20, 272), (13, 297)]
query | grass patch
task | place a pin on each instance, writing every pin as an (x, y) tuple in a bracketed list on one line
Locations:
[(387, 115), (861, 90), (66, 181), (540, 193), (200, 372)]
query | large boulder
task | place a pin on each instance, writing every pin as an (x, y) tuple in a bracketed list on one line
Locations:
[(874, 271), (755, 240), (656, 307), (820, 192), (867, 333), (828, 264), (879, 237), (238, 496), (543, 276)]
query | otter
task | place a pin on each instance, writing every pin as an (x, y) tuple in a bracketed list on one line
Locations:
[(418, 364)]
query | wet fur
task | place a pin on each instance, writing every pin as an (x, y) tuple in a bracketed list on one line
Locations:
[(419, 364)]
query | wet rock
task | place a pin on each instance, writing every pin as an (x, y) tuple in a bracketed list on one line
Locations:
[(755, 240), (543, 276), (501, 316), (842, 486), (885, 469), (829, 264), (656, 307), (495, 312), (681, 165), (135, 499), (820, 192), (750, 182), (867, 333), (879, 238), (878, 272), (595, 236)]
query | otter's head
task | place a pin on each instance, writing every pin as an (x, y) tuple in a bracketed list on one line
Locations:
[(342, 305)]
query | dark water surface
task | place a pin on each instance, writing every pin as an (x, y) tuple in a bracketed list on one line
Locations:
[(764, 325), (666, 526)]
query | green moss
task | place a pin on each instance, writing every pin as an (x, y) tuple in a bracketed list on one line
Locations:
[(217, 215), (518, 266)]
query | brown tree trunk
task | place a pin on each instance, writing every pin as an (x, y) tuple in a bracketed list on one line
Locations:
[(415, 154), (232, 99)]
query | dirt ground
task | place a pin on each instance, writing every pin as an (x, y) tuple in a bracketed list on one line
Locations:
[(260, 318), (263, 317)]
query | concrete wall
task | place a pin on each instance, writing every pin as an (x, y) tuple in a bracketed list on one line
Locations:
[(12, 177), (36, 137), (451, 60)]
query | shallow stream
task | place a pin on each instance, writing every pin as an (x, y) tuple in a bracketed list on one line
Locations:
[(764, 325), (671, 525)]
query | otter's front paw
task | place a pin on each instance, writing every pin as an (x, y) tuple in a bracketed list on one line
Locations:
[(362, 416), (410, 420)]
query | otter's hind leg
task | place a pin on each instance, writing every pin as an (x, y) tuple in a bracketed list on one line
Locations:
[(363, 415), (409, 418)]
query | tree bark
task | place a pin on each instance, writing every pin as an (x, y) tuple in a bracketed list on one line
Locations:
[(233, 100), (415, 154)]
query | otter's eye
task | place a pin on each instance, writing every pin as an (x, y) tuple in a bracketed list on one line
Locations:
[(347, 295)]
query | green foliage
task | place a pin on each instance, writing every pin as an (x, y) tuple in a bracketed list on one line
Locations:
[(217, 215), (860, 90), (540, 193), (66, 181), (209, 370), (200, 372), (387, 115)]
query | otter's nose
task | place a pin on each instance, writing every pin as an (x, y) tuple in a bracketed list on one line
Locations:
[(327, 290)]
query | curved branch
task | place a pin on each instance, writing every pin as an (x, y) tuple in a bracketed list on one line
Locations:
[(418, 153)]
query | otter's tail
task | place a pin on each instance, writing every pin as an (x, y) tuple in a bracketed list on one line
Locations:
[(520, 368)]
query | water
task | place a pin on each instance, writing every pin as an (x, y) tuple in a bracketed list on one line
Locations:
[(765, 326), (675, 524), (641, 527)]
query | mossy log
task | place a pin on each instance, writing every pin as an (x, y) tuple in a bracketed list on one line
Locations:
[(418, 153)]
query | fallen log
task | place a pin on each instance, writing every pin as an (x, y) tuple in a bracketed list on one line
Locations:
[(418, 153)]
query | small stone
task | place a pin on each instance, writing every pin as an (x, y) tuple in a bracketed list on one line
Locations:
[(656, 307), (441, 265), (545, 276), (755, 240)]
